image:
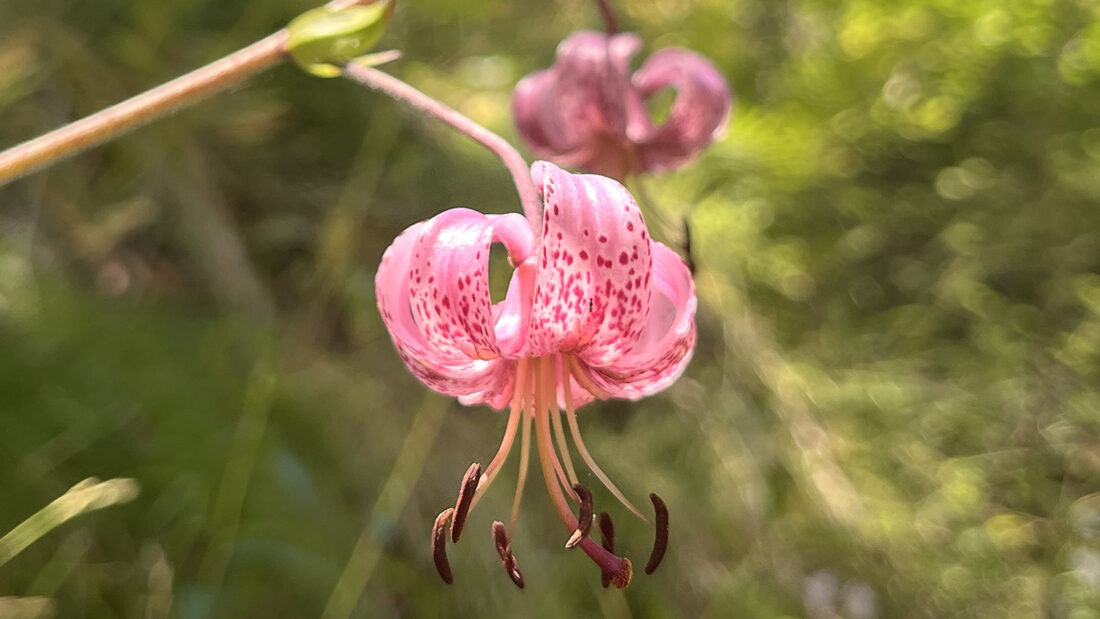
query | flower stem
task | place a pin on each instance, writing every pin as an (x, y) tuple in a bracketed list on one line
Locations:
[(121, 118), (150, 105), (511, 158), (608, 15)]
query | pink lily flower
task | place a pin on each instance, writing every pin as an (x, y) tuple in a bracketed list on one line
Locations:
[(588, 111), (595, 309)]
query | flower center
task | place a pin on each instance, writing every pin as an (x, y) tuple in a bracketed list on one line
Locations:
[(542, 387)]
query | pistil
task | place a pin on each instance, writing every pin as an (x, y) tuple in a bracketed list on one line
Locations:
[(619, 568), (607, 539), (547, 457)]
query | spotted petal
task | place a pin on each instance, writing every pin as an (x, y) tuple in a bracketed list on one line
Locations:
[(449, 278), (698, 115), (592, 293), (665, 346), (433, 294)]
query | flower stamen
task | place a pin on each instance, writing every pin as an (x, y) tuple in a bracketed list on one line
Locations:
[(519, 400), (546, 400), (547, 457), (563, 447), (504, 549), (583, 380), (584, 517), (524, 458), (558, 366), (575, 430), (619, 568), (465, 500), (439, 546), (660, 542)]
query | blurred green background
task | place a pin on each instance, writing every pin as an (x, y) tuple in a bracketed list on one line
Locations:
[(893, 410)]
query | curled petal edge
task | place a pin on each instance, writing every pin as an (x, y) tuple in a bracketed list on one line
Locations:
[(447, 369), (449, 279), (698, 115), (668, 341)]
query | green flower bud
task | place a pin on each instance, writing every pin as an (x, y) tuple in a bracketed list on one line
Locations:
[(322, 40)]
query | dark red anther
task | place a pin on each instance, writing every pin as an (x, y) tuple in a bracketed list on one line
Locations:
[(439, 545), (465, 500), (584, 517), (504, 549), (660, 542)]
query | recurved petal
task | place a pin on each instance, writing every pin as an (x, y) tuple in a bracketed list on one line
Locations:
[(592, 291), (449, 278), (665, 346), (457, 360), (593, 79), (539, 120), (698, 114)]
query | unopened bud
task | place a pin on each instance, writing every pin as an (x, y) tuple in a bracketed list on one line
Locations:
[(323, 40)]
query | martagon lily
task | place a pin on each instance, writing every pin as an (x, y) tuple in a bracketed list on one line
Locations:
[(595, 309), (589, 111)]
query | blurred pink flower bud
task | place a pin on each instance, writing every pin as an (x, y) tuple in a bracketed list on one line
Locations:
[(588, 111)]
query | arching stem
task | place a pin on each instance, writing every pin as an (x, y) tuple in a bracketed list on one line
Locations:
[(610, 24), (138, 111), (521, 176)]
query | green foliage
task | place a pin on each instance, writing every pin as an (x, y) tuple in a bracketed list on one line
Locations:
[(893, 409)]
